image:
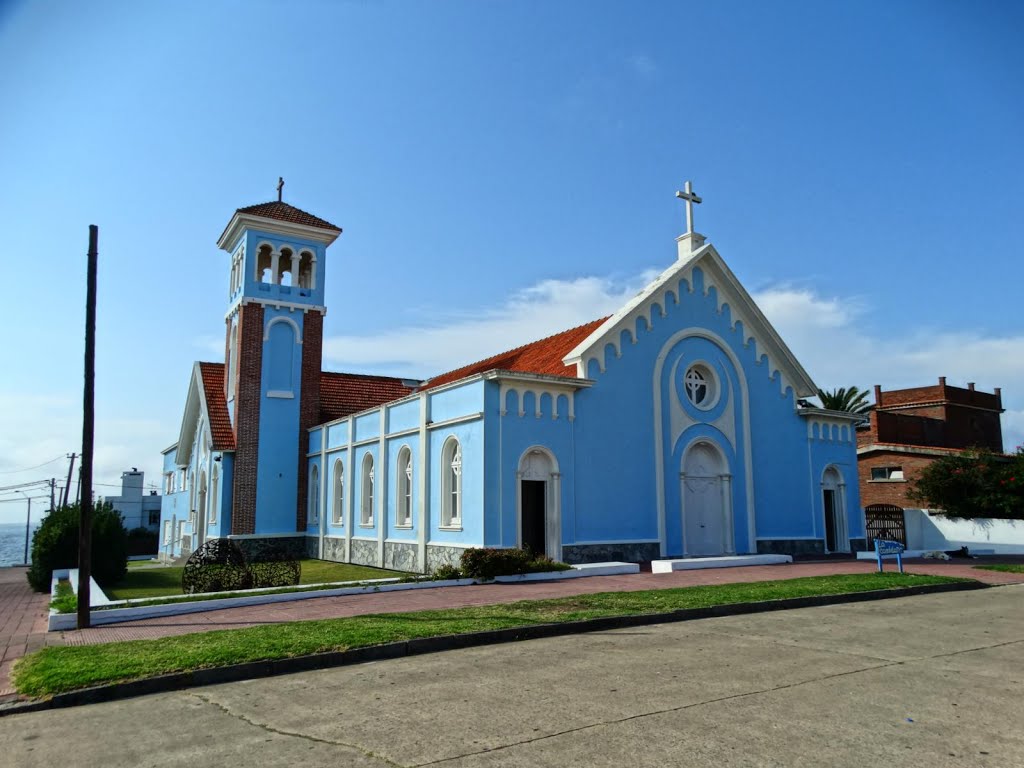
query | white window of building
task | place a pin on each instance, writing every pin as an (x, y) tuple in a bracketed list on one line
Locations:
[(403, 516), (339, 492), (214, 494), (887, 473), (701, 386), (314, 495), (366, 505), (451, 484)]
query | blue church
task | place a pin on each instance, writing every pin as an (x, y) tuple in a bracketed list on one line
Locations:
[(676, 427)]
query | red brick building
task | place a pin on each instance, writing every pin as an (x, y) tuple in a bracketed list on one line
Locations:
[(911, 428)]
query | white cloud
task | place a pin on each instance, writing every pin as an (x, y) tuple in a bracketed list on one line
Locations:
[(826, 333), (548, 307), (36, 428)]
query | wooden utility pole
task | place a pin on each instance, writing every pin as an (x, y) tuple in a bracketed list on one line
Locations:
[(88, 418), (53, 486)]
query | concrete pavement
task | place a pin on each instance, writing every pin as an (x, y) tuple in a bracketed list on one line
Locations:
[(933, 680)]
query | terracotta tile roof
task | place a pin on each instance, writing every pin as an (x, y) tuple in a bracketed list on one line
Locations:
[(342, 394), (285, 212), (217, 406), (544, 356)]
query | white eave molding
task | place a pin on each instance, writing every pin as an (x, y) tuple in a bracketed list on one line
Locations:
[(241, 221), (195, 406), (728, 291), (826, 413)]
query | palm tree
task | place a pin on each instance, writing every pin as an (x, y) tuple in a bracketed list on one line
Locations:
[(852, 400)]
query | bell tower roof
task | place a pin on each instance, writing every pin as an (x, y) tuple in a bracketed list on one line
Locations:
[(280, 217)]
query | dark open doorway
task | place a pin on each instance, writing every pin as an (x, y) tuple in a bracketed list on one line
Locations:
[(831, 543), (533, 493)]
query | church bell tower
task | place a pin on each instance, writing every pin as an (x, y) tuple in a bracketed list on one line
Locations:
[(273, 350)]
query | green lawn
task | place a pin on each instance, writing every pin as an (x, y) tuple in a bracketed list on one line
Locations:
[(64, 668), (1005, 568), (161, 582)]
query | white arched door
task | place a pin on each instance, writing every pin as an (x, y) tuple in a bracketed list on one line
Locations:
[(539, 493), (833, 491), (706, 502)]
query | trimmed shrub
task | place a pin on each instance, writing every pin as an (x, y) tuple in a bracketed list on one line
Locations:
[(486, 563), (55, 545), (446, 572)]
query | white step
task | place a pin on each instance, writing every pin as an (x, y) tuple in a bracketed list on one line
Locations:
[(730, 561)]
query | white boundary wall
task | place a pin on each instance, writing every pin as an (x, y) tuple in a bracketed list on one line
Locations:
[(930, 530)]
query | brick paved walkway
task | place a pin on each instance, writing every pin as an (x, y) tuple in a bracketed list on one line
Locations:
[(490, 594), (22, 623), (23, 612)]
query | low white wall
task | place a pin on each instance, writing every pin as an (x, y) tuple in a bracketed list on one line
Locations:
[(930, 530)]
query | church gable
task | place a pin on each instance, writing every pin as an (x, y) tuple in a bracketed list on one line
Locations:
[(205, 406), (703, 270)]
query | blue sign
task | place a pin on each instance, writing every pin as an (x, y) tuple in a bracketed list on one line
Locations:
[(885, 547)]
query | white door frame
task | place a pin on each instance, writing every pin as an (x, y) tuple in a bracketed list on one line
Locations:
[(832, 480), (725, 485), (552, 479)]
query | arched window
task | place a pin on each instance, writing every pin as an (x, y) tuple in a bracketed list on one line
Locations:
[(339, 492), (191, 495), (403, 515), (307, 265), (214, 495), (314, 495), (366, 503), (451, 484), (264, 260), (284, 268)]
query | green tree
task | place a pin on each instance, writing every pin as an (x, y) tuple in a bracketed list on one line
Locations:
[(55, 545), (852, 400), (974, 484)]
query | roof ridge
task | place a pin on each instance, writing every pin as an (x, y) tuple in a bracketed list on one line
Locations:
[(370, 376), (267, 209), (521, 347)]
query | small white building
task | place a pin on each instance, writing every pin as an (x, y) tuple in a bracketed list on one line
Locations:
[(138, 508)]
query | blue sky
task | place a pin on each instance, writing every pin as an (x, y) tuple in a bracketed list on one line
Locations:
[(501, 170)]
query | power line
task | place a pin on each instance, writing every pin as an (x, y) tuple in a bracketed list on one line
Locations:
[(29, 469), (24, 485)]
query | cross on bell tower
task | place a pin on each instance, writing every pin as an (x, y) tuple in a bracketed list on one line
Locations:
[(689, 241)]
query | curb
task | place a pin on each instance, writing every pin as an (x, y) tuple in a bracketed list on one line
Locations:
[(270, 668)]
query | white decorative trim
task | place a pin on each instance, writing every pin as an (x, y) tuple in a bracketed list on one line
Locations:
[(451, 463), (242, 221), (728, 513), (728, 290), (538, 390), (552, 501), (423, 484), (610, 541), (452, 544), (283, 319), (403, 433), (840, 521), (659, 463), (456, 420), (266, 535), (280, 393)]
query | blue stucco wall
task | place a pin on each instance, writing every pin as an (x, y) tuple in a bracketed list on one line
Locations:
[(516, 435), (279, 422)]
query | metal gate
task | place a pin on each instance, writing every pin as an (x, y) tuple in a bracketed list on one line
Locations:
[(885, 521)]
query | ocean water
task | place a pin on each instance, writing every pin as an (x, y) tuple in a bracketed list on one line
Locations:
[(12, 542)]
